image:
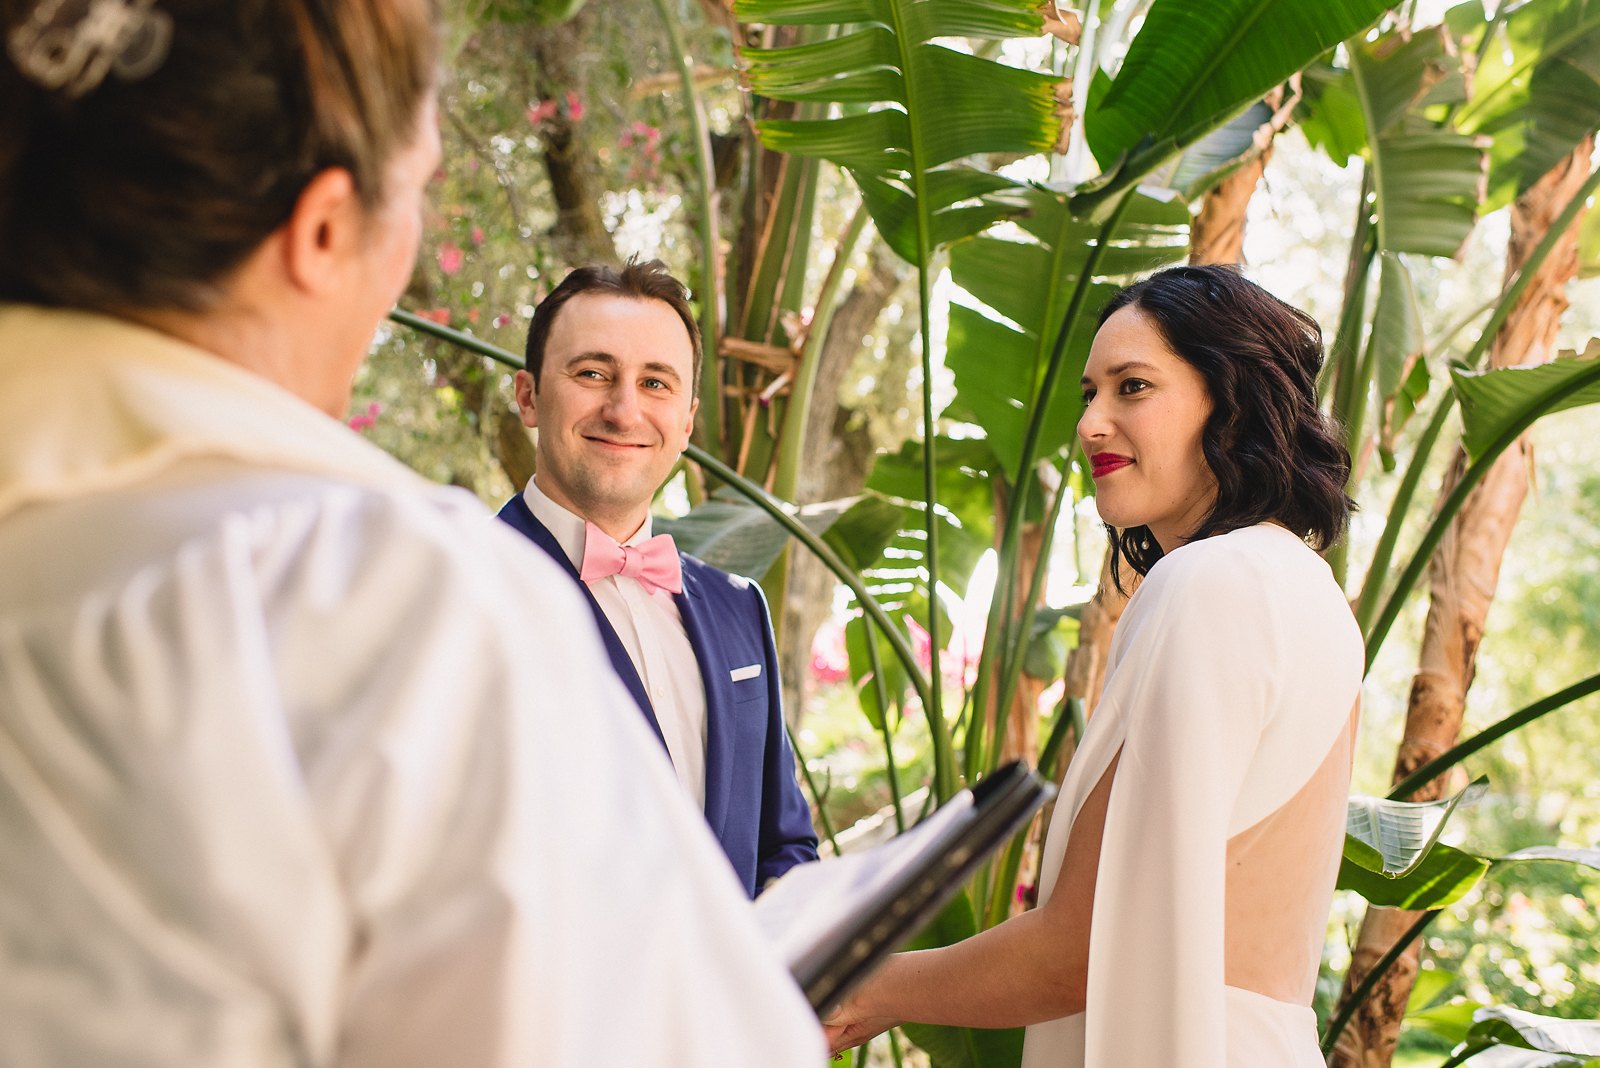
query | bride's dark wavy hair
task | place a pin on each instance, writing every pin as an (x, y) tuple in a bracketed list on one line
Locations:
[(1275, 455)]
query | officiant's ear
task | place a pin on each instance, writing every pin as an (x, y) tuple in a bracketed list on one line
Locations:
[(522, 384)]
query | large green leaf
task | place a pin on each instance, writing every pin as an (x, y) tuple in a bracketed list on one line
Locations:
[(1216, 155), (1194, 66), (1428, 180), (865, 661), (1392, 837), (1536, 90), (998, 356), (1329, 112), (1572, 1041), (1397, 342), (1497, 402), (729, 532), (1442, 877), (912, 105), (1588, 858)]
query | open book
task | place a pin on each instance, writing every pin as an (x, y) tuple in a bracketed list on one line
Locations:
[(834, 920)]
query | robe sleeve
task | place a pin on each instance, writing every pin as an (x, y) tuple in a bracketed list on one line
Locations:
[(530, 884), (1193, 685)]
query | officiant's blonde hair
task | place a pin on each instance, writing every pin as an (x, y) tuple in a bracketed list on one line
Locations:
[(128, 191)]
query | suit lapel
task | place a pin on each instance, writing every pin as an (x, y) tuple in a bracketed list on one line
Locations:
[(719, 697), (516, 514)]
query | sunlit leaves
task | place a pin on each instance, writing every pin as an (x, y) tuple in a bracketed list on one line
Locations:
[(1497, 402)]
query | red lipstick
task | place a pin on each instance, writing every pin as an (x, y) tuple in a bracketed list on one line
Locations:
[(1103, 463)]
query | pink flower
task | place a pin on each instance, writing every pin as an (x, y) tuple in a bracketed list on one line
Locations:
[(437, 315), (450, 257), (367, 419), (477, 235), (472, 315), (502, 320), (541, 112), (574, 106)]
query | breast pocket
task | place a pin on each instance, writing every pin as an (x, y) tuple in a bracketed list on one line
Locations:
[(749, 682)]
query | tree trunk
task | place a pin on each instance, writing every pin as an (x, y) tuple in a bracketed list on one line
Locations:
[(837, 458), (562, 59), (1217, 234), (1463, 575), (1086, 664)]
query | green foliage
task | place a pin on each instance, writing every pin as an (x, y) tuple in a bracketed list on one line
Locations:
[(1536, 89), (1505, 400), (1498, 1026), (998, 357), (1428, 179), (929, 105), (1192, 68)]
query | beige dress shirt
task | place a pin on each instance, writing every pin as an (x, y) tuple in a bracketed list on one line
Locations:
[(651, 629)]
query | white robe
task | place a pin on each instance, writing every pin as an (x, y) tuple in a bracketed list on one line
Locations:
[(1228, 696), (307, 761)]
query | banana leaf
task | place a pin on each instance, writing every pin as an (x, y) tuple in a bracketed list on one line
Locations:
[(1329, 112), (1495, 402), (1392, 837), (1193, 67), (1588, 858), (858, 632), (1589, 245), (997, 354), (1215, 156), (1536, 90), (1442, 877), (1398, 352), (1429, 180), (1500, 1026), (728, 532), (912, 106)]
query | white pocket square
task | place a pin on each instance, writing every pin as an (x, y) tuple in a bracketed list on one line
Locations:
[(749, 671)]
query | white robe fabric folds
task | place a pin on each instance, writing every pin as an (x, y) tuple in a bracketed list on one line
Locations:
[(1228, 709), (307, 761)]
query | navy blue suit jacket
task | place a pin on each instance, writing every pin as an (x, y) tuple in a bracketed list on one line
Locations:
[(753, 802)]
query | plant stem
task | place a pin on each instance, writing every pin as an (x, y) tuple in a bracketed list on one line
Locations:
[(881, 689), (1030, 609), (944, 778), (1383, 554), (1461, 750), (805, 376), (1364, 989), (710, 292), (1480, 467), (811, 785)]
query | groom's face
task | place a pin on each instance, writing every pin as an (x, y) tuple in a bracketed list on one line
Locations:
[(614, 403)]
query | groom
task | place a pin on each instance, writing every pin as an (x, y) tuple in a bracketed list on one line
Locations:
[(613, 364)]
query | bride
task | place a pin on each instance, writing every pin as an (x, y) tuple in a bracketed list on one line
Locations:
[(1191, 859)]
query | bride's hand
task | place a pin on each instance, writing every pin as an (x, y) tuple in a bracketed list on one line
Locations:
[(847, 1028)]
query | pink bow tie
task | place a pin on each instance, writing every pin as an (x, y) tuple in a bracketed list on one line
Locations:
[(653, 562)]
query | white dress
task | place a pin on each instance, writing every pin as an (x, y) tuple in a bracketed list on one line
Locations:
[(305, 761), (1229, 696)]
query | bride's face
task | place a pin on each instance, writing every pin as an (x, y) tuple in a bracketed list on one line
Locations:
[(1144, 415)]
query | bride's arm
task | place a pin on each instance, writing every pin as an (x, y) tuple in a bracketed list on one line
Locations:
[(1026, 970)]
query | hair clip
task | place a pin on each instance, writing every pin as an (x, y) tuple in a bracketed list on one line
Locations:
[(129, 38)]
